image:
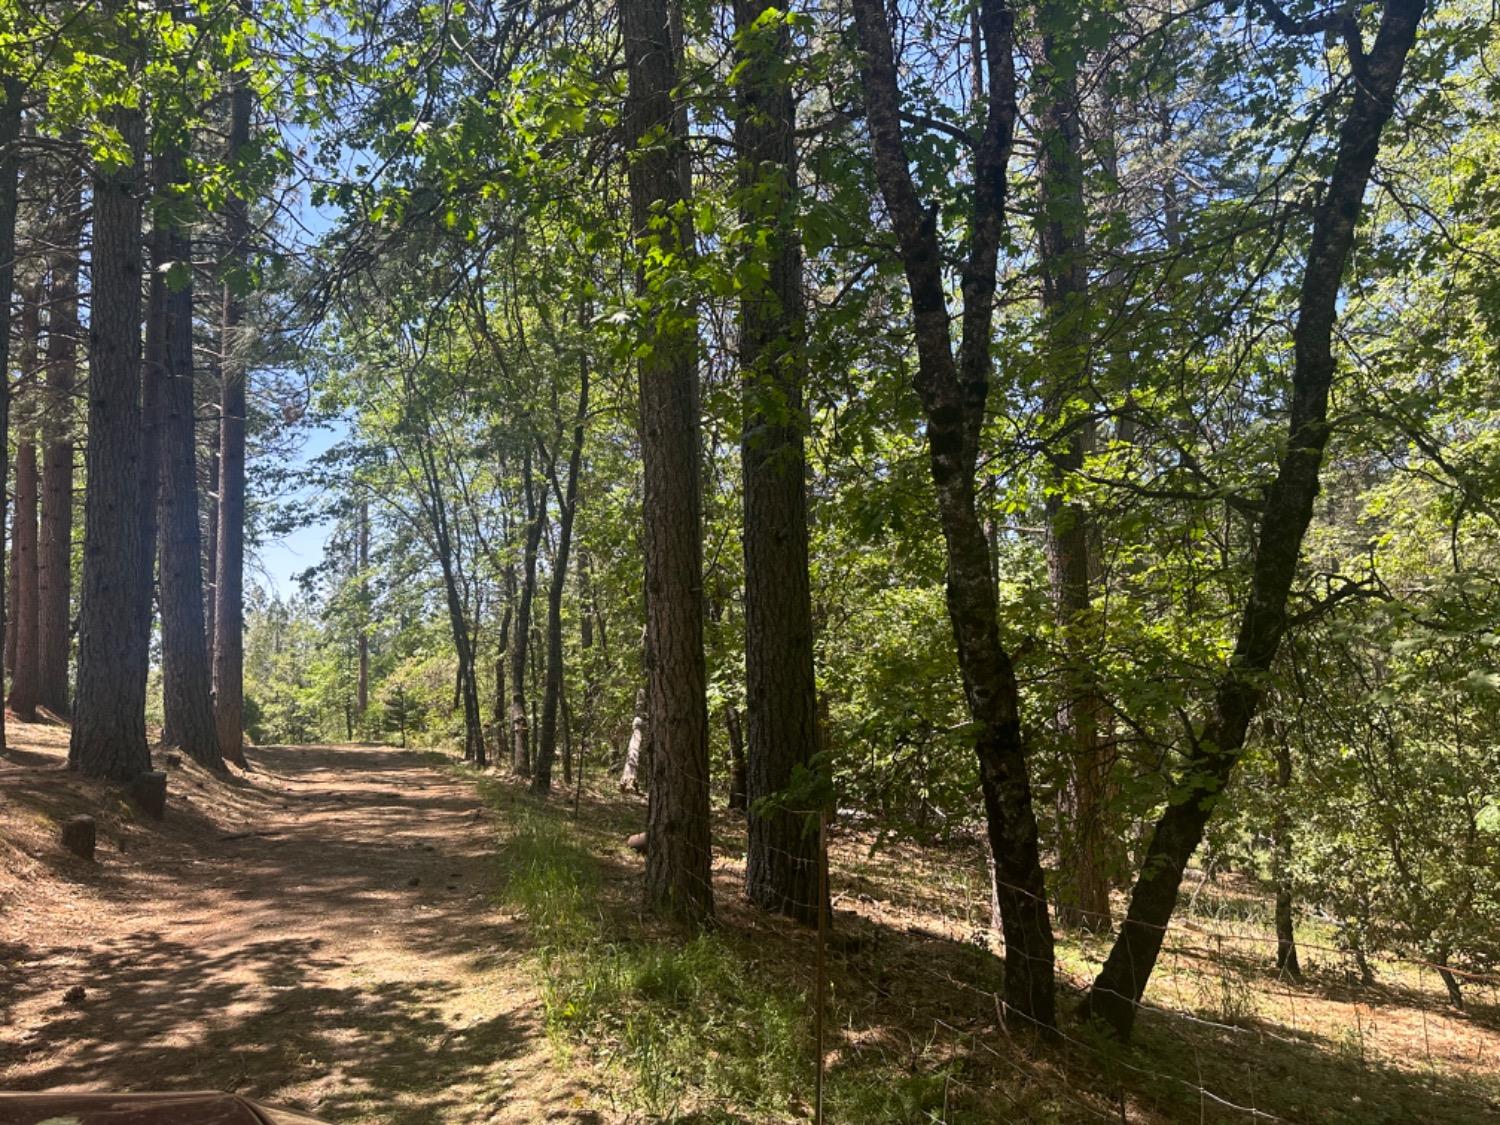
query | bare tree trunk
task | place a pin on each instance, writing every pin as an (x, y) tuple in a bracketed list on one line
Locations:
[(536, 516), (362, 560), (447, 545), (1288, 508), (629, 775), (953, 394), (211, 535), (109, 726), (23, 685), (1083, 883), (1448, 977), (10, 165), (25, 666), (781, 867), (1281, 861), (738, 784), (55, 553), (678, 849), (229, 583), (502, 654), (186, 680), (552, 691)]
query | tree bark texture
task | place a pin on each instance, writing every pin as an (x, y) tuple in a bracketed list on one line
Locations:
[(953, 392), (187, 701), (1117, 991), (10, 165), (109, 725), (1083, 873), (678, 852), (24, 685), (781, 868), (55, 551), (229, 582)]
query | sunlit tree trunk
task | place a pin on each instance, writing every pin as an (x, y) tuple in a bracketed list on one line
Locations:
[(109, 725), (186, 679), (229, 582)]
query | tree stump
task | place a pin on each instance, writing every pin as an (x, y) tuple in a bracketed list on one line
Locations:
[(149, 791), (79, 836)]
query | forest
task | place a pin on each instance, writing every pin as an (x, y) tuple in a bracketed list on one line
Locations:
[(919, 561)]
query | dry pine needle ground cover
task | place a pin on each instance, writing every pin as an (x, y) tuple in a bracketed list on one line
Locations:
[(331, 929)]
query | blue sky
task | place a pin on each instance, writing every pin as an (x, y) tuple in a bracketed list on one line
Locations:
[(277, 562)]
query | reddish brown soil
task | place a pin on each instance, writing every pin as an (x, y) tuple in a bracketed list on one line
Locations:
[(319, 931)]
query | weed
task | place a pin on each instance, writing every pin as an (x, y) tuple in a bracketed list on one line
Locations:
[(690, 1024)]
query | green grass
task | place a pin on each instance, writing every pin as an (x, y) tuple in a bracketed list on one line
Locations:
[(682, 1026)]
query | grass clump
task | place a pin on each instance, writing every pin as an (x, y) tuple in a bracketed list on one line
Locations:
[(689, 1026)]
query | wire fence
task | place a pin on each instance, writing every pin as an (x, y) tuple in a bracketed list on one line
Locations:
[(1219, 1027), (1216, 989)]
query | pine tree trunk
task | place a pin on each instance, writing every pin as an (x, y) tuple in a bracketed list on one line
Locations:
[(109, 725), (953, 394), (10, 164), (55, 551), (24, 686), (552, 691), (229, 582), (12, 600), (1287, 512), (186, 678), (781, 867), (1083, 883), (678, 850)]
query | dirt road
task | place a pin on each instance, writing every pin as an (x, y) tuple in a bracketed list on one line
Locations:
[(321, 931)]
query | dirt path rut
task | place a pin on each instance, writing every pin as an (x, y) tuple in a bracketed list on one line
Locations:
[(320, 932)]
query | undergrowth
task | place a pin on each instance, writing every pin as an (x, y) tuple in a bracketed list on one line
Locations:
[(688, 1027)]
